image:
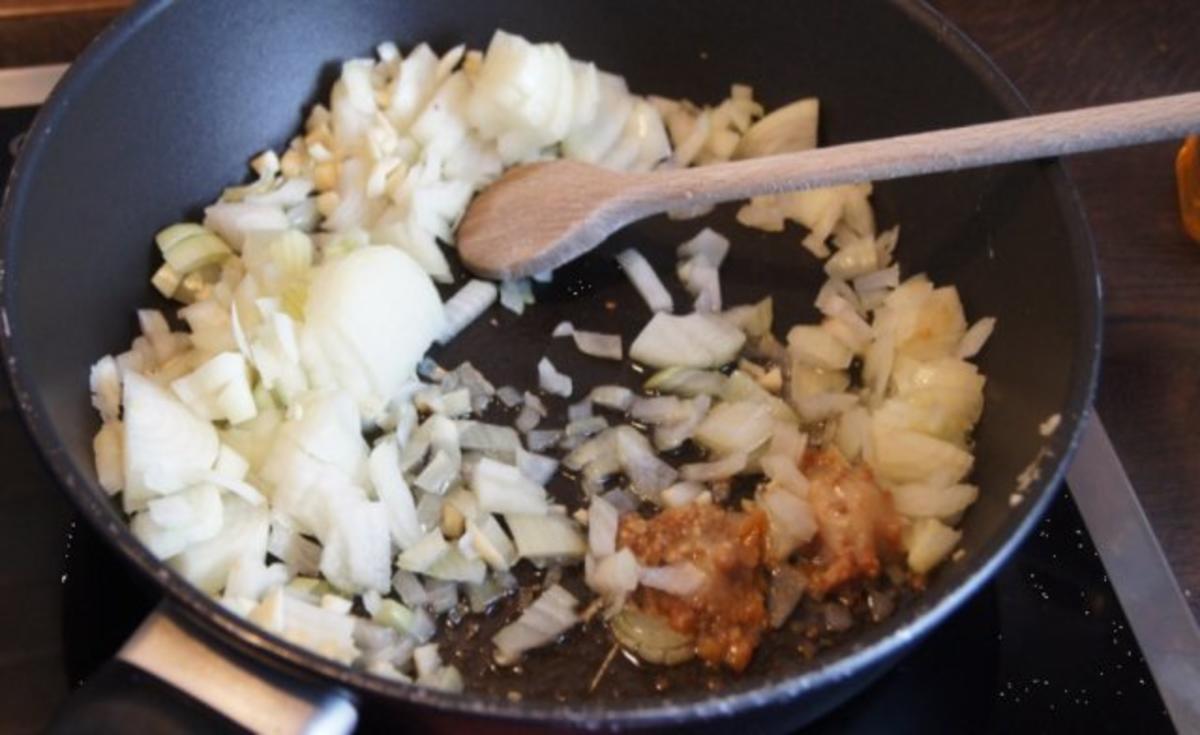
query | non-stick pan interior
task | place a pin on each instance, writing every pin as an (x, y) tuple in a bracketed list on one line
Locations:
[(170, 108)]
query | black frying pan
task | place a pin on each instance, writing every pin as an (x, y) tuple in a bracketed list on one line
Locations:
[(170, 103)]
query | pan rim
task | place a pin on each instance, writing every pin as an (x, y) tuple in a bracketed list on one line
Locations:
[(229, 629)]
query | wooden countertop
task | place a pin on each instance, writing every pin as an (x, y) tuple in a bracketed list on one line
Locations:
[(1060, 54)]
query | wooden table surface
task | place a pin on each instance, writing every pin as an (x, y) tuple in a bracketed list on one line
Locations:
[(1060, 54)]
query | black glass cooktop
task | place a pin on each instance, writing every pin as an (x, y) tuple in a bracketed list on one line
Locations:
[(1045, 648)]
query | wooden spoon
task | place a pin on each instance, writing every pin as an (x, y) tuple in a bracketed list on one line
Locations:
[(539, 216)]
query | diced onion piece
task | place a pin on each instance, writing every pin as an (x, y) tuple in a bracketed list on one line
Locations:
[(498, 442), (976, 337), (791, 520), (720, 469), (648, 475), (672, 435), (614, 577), (597, 344), (736, 427), (453, 566), (616, 397), (536, 467), (753, 319), (697, 340), (603, 519), (929, 542), (681, 493), (900, 456), (783, 470), (162, 438), (687, 382), (792, 127), (546, 536), (509, 396), (924, 500), (542, 439), (551, 380), (386, 478), (652, 638), (515, 294), (550, 615), (104, 379), (816, 347), (563, 329), (682, 579), (425, 553), (706, 244), (107, 448), (467, 305), (645, 280), (356, 552), (501, 488), (491, 543), (219, 389)]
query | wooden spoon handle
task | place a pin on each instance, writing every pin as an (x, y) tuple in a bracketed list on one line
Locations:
[(951, 149)]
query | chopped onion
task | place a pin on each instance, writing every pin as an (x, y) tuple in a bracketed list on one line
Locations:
[(603, 519), (542, 439), (162, 438), (501, 488), (586, 427), (929, 542), (551, 380), (616, 397), (547, 536), (975, 337), (687, 382), (648, 475), (536, 467), (682, 579), (652, 638), (753, 319), (104, 380), (465, 306), (579, 411), (791, 520), (792, 127), (786, 588), (425, 553), (551, 615), (681, 494), (720, 469), (696, 340), (816, 347), (109, 454), (410, 589), (736, 427), (596, 344), (509, 396), (301, 555), (614, 577), (672, 435), (516, 294), (924, 500), (641, 274), (491, 543), (498, 442), (390, 487), (453, 566)]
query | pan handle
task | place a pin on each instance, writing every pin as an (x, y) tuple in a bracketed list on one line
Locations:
[(170, 677)]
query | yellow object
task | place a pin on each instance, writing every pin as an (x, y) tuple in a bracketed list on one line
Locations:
[(1187, 170)]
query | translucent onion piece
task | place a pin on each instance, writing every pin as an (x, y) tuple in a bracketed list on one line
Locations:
[(641, 274), (550, 615)]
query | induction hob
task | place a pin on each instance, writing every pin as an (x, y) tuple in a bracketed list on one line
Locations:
[(1045, 647)]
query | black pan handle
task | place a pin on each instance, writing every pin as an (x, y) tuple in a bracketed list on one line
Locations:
[(170, 677)]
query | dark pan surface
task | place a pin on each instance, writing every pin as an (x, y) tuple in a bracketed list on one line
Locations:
[(170, 105)]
